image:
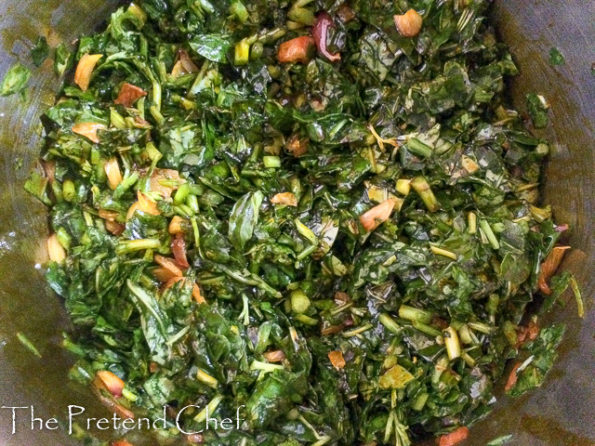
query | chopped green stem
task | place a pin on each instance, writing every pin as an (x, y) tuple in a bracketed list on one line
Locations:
[(28, 344), (451, 341), (265, 366), (128, 246), (481, 327), (389, 323), (420, 401), (253, 280), (577, 295), (357, 331), (471, 222), (306, 232), (207, 379), (443, 252), (307, 251), (414, 314), (419, 148), (210, 409), (181, 194), (422, 187), (425, 328), (489, 233)]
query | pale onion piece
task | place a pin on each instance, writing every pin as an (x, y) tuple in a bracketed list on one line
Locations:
[(49, 170), (146, 205), (88, 130), (409, 24), (84, 70), (165, 276), (197, 295), (114, 228), (285, 198), (178, 70), (161, 176), (377, 194), (274, 355), (171, 281), (107, 215), (131, 210), (55, 250), (178, 249), (297, 146), (469, 164), (176, 225), (112, 170), (168, 264), (184, 65)]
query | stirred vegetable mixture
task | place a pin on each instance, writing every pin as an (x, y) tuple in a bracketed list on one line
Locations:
[(322, 213)]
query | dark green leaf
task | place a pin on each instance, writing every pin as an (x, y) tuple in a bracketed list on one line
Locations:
[(40, 51), (213, 47)]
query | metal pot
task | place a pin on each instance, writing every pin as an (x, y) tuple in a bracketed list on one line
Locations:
[(560, 413)]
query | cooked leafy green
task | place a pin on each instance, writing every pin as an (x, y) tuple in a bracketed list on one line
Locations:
[(556, 57), (40, 51), (538, 110), (15, 80), (338, 233), (541, 356)]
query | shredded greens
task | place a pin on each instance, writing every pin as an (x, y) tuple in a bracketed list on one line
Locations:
[(309, 210)]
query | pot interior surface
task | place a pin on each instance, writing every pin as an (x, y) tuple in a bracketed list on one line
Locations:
[(560, 413)]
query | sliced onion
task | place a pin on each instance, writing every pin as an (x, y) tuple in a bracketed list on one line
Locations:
[(319, 32)]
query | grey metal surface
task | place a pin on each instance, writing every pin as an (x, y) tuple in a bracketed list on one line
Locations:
[(561, 413)]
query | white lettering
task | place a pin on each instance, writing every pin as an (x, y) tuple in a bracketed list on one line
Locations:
[(72, 414), (51, 424), (179, 416), (89, 423), (35, 420), (208, 419), (238, 419), (130, 421), (226, 424), (162, 419), (14, 416), (102, 421)]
